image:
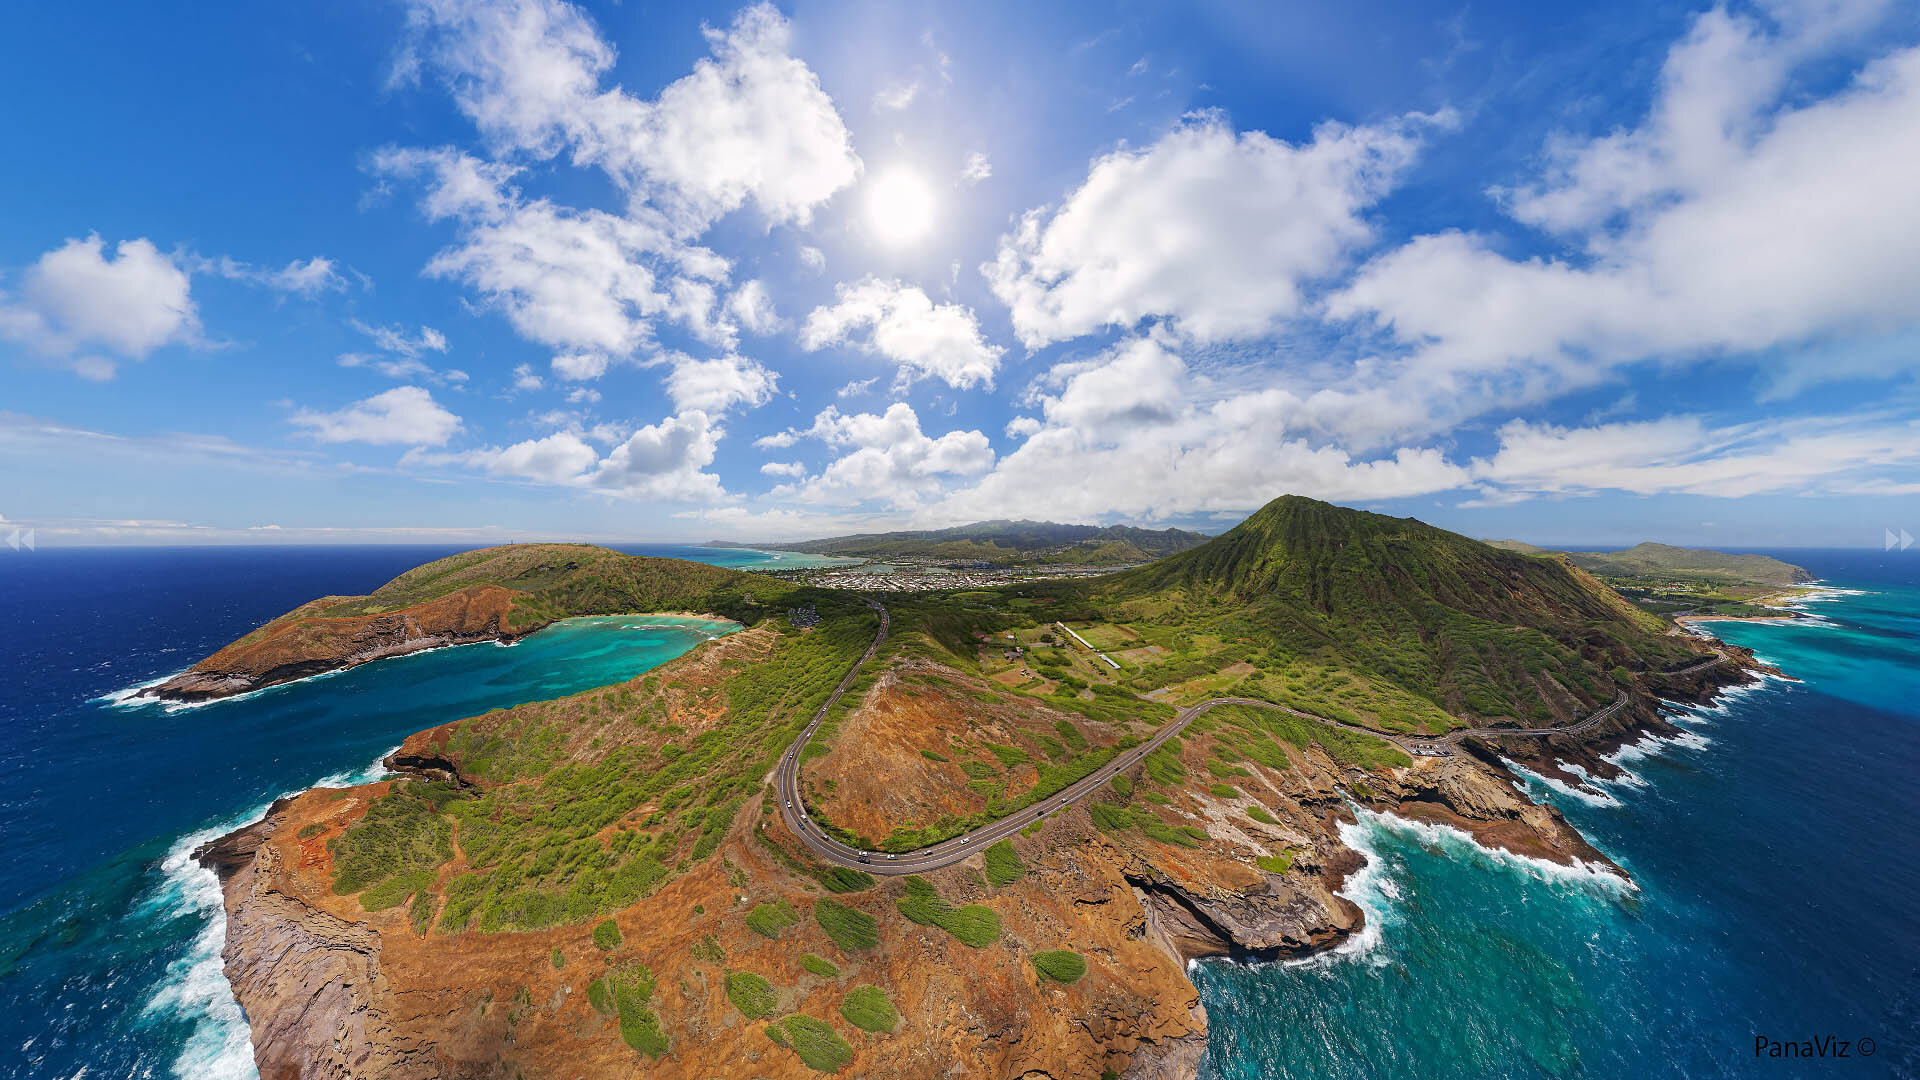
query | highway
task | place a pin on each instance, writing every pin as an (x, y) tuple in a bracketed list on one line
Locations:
[(948, 852)]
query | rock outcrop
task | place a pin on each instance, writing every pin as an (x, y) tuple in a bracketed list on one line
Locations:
[(304, 643)]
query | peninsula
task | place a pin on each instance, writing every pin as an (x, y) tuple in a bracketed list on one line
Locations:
[(975, 832)]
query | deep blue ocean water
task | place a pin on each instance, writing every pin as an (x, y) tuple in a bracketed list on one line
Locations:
[(1778, 889), (109, 934), (1777, 857)]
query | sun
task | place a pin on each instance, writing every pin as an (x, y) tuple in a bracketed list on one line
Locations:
[(900, 206)]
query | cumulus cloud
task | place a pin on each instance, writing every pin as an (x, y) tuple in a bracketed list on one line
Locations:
[(752, 309), (1738, 218), (750, 123), (403, 416), (791, 469), (899, 322), (663, 461), (81, 308), (1136, 432), (976, 169), (1215, 232), (716, 385), (888, 458), (1687, 455)]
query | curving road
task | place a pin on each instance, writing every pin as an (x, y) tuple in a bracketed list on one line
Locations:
[(946, 853)]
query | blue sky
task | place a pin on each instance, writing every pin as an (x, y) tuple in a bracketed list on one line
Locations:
[(490, 271)]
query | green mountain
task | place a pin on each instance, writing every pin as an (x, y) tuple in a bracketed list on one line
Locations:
[(1401, 610), (1650, 560), (1009, 541)]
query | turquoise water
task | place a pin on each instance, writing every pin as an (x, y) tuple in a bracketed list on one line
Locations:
[(110, 937), (1773, 848), (1774, 855)]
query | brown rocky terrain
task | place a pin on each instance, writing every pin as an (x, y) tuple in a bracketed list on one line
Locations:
[(333, 990), (303, 642)]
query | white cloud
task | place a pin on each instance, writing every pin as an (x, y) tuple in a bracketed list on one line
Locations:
[(405, 415), (80, 308), (525, 379), (580, 280), (791, 469), (716, 385), (1135, 432), (309, 277), (813, 258), (394, 339), (976, 169), (889, 460), (907, 328), (1684, 454), (752, 309), (896, 96), (1738, 218), (579, 366), (662, 461), (751, 123), (1216, 232), (855, 388)]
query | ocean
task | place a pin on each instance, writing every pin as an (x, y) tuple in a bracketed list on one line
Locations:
[(1777, 895), (1773, 852)]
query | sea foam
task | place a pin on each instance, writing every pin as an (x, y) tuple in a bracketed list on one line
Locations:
[(195, 991)]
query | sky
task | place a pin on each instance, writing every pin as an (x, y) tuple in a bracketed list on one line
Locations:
[(492, 270)]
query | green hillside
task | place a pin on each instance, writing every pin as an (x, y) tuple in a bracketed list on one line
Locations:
[(563, 580), (1011, 541), (1302, 588)]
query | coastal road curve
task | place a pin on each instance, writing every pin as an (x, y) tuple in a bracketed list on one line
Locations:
[(946, 853)]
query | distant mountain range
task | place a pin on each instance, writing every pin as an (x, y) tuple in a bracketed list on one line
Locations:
[(1006, 541), (1657, 560)]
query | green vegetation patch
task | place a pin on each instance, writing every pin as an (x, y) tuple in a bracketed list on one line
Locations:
[(626, 993), (1276, 864), (1108, 817), (1003, 864), (768, 919), (606, 936), (820, 1047), (869, 1009), (1259, 814), (819, 965), (1122, 786), (849, 928), (1224, 791), (402, 834), (975, 925), (751, 994), (979, 770), (933, 756), (1060, 965), (559, 958), (708, 951)]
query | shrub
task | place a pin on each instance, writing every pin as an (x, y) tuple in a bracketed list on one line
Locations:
[(1110, 818), (420, 915), (975, 925), (979, 770), (931, 756), (559, 958), (399, 835), (1259, 814), (849, 928), (751, 994), (869, 1009), (311, 831), (1009, 755), (624, 993), (768, 919), (1159, 830), (606, 936), (820, 1047), (1060, 965), (819, 965), (708, 951), (1122, 786), (842, 879), (1224, 791), (1276, 864), (1003, 864)]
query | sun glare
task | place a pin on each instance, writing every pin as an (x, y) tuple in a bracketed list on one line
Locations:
[(899, 206)]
